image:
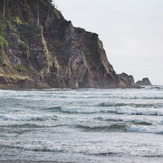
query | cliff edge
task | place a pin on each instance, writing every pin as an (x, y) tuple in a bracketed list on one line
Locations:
[(54, 54)]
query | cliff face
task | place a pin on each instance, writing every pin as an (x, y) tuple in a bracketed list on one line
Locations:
[(56, 54)]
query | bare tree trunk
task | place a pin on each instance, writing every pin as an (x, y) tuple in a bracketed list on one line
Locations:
[(38, 8), (18, 8), (4, 8)]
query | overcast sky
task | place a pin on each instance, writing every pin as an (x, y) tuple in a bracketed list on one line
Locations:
[(131, 32)]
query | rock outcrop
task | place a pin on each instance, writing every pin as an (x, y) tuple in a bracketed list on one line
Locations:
[(126, 80), (143, 82), (54, 55)]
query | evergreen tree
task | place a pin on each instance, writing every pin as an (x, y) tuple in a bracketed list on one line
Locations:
[(27, 11)]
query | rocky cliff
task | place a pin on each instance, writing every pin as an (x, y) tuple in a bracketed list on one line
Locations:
[(54, 55), (143, 82)]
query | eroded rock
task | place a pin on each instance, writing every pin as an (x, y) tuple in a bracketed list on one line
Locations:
[(126, 80), (144, 81)]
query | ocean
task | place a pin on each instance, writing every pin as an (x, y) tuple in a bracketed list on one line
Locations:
[(82, 125)]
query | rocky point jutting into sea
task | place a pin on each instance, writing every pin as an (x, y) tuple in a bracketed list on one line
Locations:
[(53, 54)]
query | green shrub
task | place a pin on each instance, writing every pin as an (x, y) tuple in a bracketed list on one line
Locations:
[(3, 41), (57, 13), (2, 55), (21, 68), (17, 20), (3, 45)]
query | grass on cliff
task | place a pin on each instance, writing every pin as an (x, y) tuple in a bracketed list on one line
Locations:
[(3, 41), (21, 68), (58, 14), (3, 44), (4, 27), (9, 38)]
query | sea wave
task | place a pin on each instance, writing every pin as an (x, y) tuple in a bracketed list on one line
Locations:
[(143, 120), (92, 122), (26, 117), (129, 110), (112, 127), (146, 129), (134, 105), (122, 127), (87, 149)]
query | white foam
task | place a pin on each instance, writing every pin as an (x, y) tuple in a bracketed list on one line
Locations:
[(59, 131), (146, 129), (137, 111), (150, 120), (116, 144), (26, 117)]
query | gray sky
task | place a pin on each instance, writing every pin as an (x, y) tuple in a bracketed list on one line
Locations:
[(131, 32)]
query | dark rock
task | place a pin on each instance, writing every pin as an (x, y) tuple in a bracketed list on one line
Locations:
[(144, 81), (26, 83), (126, 80), (3, 80)]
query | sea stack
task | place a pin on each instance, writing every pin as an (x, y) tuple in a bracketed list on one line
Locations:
[(144, 81)]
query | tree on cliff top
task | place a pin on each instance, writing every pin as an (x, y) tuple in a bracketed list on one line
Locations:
[(28, 11)]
